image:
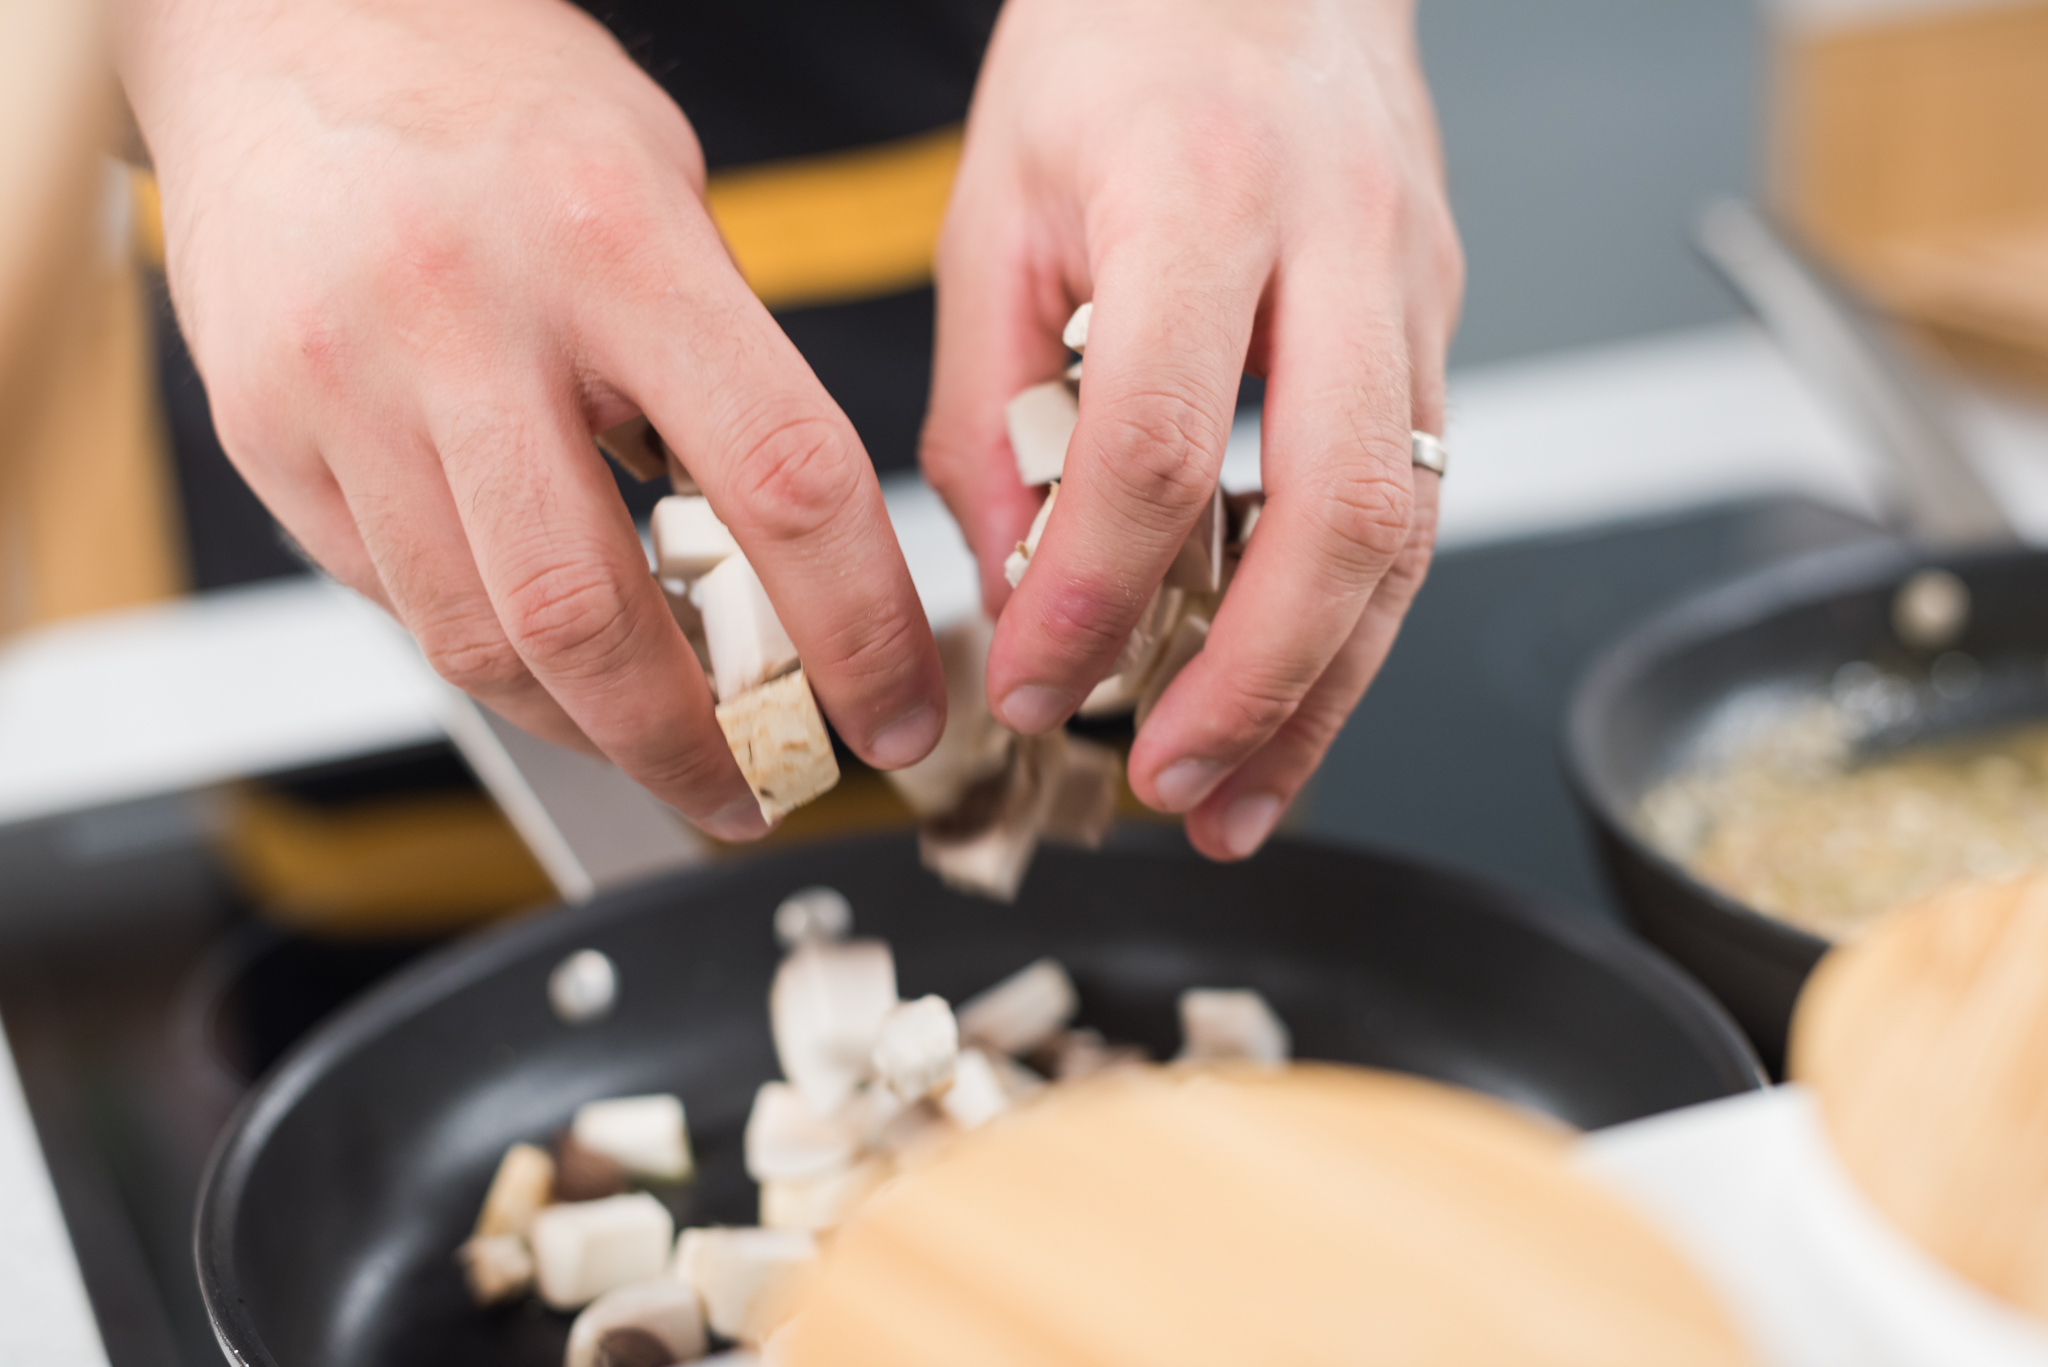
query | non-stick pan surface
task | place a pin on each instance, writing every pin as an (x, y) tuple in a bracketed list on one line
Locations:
[(1770, 641), (329, 1220)]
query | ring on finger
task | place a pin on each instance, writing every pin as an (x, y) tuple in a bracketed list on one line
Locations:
[(1427, 451)]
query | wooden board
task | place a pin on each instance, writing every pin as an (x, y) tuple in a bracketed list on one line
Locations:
[(1317, 1215)]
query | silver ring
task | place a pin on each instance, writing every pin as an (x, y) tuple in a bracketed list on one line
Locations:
[(1427, 451)]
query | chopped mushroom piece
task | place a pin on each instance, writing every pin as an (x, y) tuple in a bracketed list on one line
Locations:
[(1024, 1011), (1083, 805), (1121, 688), (985, 843), (1189, 636), (1041, 422), (584, 1174), (787, 1139), (1231, 1023), (974, 745), (585, 1248), (497, 1267), (1075, 334), (1077, 1054), (977, 1095), (916, 1136), (1020, 559), (652, 1323), (813, 914), (636, 448), (648, 1136), (688, 618), (689, 540), (826, 1010), (523, 1183), (1244, 515), (747, 643), (823, 1201), (916, 1050), (778, 736), (1198, 567), (746, 1276)]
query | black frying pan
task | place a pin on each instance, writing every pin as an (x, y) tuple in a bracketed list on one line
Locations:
[(1784, 633), (1779, 636), (329, 1217)]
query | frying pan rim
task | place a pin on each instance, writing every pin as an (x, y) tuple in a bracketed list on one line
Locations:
[(1799, 582), (1700, 1017)]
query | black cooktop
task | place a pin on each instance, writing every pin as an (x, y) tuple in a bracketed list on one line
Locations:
[(141, 992)]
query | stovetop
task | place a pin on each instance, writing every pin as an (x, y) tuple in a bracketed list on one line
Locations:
[(142, 991)]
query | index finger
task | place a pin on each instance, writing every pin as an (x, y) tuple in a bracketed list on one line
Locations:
[(785, 471)]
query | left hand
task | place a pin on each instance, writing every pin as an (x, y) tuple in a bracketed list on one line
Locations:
[(1240, 186)]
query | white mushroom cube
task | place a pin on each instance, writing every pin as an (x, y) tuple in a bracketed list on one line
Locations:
[(1078, 1054), (660, 1321), (1024, 1011), (1120, 689), (974, 745), (1084, 792), (787, 1139), (689, 540), (648, 1136), (917, 1135), (985, 843), (1018, 1082), (813, 914), (977, 1095), (915, 1052), (746, 1276), (1189, 636), (747, 643), (497, 1267), (523, 1183), (1075, 334), (826, 1010), (585, 1248), (1041, 422), (1020, 559), (1244, 515), (1231, 1023), (778, 736), (823, 1201)]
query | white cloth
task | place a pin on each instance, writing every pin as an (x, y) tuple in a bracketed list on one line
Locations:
[(1750, 1191)]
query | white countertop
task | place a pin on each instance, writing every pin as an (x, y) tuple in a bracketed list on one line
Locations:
[(282, 675)]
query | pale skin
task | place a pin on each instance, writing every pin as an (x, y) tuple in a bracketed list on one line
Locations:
[(423, 249)]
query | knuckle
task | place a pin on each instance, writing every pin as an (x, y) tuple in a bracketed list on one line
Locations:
[(870, 649), (474, 656), (1259, 702), (1160, 456), (1367, 516), (795, 476), (571, 618)]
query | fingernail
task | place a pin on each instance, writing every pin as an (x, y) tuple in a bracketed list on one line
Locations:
[(1185, 782), (1035, 708), (1248, 822), (740, 820), (906, 740)]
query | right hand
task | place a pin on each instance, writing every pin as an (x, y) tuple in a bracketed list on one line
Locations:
[(422, 251)]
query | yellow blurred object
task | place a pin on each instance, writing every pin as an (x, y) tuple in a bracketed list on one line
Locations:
[(1315, 1215), (412, 864), (851, 225), (1927, 1044), (1908, 148)]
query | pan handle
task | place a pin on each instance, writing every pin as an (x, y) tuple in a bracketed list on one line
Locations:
[(1940, 498)]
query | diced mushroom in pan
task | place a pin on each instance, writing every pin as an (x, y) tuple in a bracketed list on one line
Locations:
[(650, 1324), (523, 1183), (496, 1267), (648, 1136), (822, 1201), (826, 1009), (917, 1047), (746, 1276), (977, 1095), (584, 1174), (787, 1139), (583, 1249), (1023, 1012), (813, 914), (1231, 1023)]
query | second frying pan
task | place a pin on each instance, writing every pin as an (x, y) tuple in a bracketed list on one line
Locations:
[(327, 1226)]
